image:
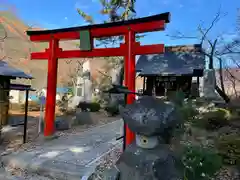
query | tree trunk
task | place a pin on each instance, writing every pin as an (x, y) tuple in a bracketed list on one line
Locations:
[(221, 76), (210, 66), (222, 94)]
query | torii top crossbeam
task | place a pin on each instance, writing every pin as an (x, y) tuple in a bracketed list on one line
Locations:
[(129, 49)]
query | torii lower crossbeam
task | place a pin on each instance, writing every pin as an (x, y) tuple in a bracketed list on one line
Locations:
[(129, 49)]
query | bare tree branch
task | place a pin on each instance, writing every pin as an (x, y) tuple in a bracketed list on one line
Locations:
[(104, 74), (68, 61), (229, 48), (231, 75), (215, 20), (180, 35), (235, 62)]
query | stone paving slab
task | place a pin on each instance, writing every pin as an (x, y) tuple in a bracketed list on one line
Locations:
[(69, 157)]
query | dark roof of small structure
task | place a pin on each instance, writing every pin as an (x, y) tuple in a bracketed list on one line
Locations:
[(21, 87), (6, 70), (178, 60)]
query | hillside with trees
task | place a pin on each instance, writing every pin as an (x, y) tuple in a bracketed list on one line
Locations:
[(15, 49)]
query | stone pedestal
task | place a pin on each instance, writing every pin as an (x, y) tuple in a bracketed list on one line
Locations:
[(140, 164)]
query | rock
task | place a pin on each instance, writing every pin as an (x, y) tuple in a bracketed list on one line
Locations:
[(62, 123), (81, 118)]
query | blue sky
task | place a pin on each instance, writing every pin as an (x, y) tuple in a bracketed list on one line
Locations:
[(186, 15)]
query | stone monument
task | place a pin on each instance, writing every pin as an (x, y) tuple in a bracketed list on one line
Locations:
[(116, 76), (149, 157), (208, 86)]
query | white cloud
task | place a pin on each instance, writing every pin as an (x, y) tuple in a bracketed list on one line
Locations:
[(66, 18)]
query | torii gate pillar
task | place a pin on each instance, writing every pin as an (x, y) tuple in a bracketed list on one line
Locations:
[(49, 128), (130, 75)]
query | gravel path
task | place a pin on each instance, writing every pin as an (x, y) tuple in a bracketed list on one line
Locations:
[(12, 137), (12, 142)]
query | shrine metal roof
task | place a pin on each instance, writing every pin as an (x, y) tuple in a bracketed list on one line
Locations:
[(21, 87), (179, 60), (6, 70), (162, 16)]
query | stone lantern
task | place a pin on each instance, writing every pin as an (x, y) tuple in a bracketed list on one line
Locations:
[(149, 157)]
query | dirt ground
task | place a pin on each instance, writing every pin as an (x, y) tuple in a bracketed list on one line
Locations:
[(12, 137)]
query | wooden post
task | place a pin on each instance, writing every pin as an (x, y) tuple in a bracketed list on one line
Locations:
[(144, 83), (25, 117)]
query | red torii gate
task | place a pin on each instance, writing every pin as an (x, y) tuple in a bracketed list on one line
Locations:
[(128, 50)]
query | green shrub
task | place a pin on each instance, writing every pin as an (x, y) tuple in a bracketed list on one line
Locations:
[(200, 163), (176, 97), (200, 102), (96, 99), (84, 106), (188, 112), (92, 106), (112, 110), (95, 107), (214, 119), (229, 148)]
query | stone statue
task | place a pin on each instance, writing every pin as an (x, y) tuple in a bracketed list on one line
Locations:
[(149, 157)]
